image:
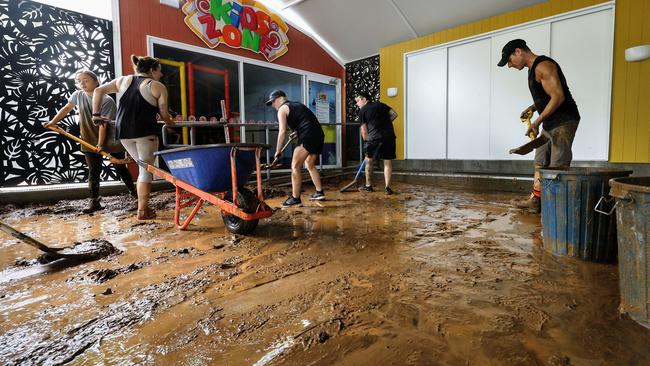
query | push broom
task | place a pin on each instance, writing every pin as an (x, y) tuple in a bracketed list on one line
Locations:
[(354, 182)]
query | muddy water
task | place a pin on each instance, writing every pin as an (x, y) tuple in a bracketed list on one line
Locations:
[(425, 277)]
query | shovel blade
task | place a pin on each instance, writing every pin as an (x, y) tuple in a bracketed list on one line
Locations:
[(529, 146)]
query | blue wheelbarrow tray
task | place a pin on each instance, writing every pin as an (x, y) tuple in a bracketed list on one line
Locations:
[(207, 167), (205, 173)]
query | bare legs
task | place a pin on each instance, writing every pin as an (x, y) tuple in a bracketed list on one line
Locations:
[(388, 171), (302, 156)]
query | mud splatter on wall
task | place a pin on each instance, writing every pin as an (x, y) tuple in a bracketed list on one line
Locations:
[(42, 47)]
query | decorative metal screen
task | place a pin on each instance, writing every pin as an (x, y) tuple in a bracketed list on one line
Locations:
[(41, 48), (362, 75)]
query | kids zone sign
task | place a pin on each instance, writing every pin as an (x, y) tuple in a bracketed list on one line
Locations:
[(245, 24)]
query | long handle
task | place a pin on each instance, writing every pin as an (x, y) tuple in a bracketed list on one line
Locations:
[(73, 137), (91, 147), (292, 136), (26, 239), (360, 168)]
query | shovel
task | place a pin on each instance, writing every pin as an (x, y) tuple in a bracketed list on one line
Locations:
[(89, 146), (530, 146), (533, 144), (276, 161), (83, 254)]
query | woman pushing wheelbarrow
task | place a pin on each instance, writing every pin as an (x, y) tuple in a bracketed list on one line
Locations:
[(137, 128)]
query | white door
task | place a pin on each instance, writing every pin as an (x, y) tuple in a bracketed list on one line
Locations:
[(469, 101), (426, 105), (583, 48)]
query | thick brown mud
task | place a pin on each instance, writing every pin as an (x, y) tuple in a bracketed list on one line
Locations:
[(426, 277)]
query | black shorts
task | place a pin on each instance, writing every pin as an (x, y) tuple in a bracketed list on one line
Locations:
[(381, 149), (313, 145)]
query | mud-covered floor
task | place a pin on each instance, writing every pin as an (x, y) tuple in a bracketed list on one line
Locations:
[(426, 277)]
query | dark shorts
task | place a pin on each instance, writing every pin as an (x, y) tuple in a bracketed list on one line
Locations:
[(313, 145), (381, 149), (557, 152)]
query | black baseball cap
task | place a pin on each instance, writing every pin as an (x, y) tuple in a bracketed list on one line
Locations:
[(275, 95), (509, 49)]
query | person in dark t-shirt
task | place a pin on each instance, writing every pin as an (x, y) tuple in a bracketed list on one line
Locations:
[(558, 112), (376, 120), (311, 137)]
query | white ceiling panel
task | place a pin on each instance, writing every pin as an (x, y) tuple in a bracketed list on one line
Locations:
[(355, 29), (428, 17)]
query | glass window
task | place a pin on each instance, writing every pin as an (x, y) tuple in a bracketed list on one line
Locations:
[(259, 82), (322, 101), (198, 85)]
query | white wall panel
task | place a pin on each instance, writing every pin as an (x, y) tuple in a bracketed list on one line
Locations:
[(583, 48), (509, 93), (460, 105), (469, 101), (426, 105)]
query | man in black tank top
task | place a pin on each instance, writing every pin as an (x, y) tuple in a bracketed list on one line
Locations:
[(311, 139), (556, 108)]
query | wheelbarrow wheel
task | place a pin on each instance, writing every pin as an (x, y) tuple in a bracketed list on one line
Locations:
[(247, 202)]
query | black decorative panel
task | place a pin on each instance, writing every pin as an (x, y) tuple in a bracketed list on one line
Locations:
[(41, 48), (362, 75)]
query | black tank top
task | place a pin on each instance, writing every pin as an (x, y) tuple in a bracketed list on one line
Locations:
[(567, 111), (303, 120), (135, 116)]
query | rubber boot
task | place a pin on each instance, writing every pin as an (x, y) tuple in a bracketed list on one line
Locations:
[(532, 203), (93, 205)]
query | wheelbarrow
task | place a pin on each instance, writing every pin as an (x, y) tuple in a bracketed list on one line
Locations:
[(216, 174)]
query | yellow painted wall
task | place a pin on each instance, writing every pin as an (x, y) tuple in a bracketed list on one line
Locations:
[(630, 132), (630, 127)]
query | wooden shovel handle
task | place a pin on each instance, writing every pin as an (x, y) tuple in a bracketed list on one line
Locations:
[(89, 146), (26, 239)]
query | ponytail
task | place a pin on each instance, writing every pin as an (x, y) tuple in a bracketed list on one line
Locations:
[(144, 64)]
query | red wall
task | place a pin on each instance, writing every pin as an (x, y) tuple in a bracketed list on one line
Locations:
[(139, 18)]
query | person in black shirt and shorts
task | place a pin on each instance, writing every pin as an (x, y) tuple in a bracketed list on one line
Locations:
[(377, 131), (556, 108), (310, 134)]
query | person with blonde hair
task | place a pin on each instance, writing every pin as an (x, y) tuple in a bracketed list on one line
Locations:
[(143, 97), (99, 136)]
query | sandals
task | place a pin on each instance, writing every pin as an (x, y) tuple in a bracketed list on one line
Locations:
[(146, 214)]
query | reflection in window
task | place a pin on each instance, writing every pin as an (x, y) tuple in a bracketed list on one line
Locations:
[(259, 82), (198, 86)]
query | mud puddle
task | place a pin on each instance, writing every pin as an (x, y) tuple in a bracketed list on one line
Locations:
[(428, 276)]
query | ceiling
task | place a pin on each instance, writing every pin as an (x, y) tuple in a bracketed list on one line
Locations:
[(355, 29)]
